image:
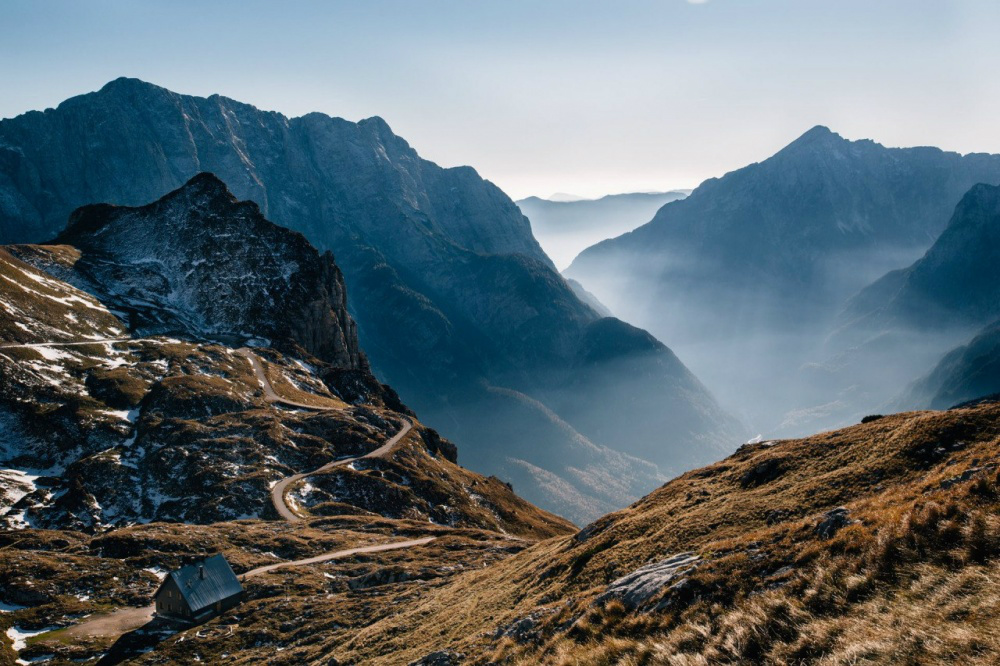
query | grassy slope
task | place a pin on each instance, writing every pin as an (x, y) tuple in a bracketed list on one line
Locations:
[(911, 582), (908, 583)]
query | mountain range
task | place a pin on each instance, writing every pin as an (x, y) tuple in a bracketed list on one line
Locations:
[(779, 232), (746, 276), (182, 376), (457, 306)]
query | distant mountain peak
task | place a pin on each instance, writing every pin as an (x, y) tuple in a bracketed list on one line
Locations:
[(564, 197), (126, 83), (982, 193), (819, 136)]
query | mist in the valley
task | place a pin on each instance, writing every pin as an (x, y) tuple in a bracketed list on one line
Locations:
[(566, 228), (785, 358)]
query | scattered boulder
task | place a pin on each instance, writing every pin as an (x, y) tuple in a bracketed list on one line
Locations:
[(440, 658), (833, 521), (763, 472), (523, 629), (967, 475), (644, 583), (775, 516)]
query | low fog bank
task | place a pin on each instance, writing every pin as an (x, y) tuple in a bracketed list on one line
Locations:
[(768, 349), (566, 228)]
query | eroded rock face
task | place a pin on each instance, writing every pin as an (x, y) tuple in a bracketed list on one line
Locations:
[(199, 261)]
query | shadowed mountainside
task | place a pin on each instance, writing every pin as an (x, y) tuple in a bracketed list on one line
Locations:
[(124, 398), (451, 293), (746, 276)]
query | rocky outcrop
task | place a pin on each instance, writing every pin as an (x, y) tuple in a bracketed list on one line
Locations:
[(643, 584), (198, 261), (833, 521)]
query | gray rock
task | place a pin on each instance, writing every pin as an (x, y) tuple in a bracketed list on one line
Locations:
[(440, 658), (967, 475), (644, 583), (833, 521), (763, 472)]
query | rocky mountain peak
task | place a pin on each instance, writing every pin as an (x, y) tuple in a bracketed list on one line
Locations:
[(983, 199), (817, 134), (199, 261), (821, 146)]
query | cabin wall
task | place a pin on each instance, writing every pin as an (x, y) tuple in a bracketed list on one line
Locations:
[(170, 602)]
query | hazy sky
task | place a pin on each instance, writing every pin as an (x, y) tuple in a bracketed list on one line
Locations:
[(547, 95)]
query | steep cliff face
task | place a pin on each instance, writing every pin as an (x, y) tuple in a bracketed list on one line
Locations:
[(183, 265), (954, 284), (451, 292)]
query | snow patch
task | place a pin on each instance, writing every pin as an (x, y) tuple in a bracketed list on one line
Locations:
[(19, 637), (15, 484), (50, 353)]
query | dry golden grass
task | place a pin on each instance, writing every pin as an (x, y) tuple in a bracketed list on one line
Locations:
[(908, 583)]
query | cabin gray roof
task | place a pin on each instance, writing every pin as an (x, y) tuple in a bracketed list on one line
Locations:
[(219, 582)]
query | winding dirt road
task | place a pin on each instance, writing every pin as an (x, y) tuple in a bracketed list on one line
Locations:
[(269, 393), (280, 488), (278, 492), (127, 619)]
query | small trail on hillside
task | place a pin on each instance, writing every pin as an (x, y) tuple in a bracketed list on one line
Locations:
[(280, 488), (127, 619)]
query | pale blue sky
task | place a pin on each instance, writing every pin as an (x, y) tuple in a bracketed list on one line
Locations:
[(547, 95)]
